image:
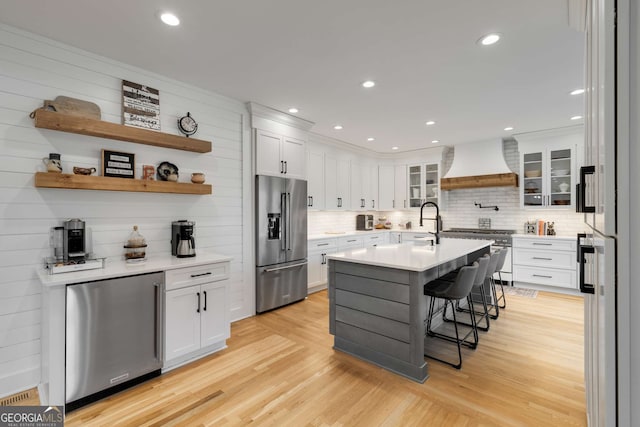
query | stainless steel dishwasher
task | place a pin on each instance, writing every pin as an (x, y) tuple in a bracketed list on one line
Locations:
[(113, 335)]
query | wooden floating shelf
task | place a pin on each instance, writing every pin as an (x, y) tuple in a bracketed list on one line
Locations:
[(480, 181), (92, 127), (87, 182)]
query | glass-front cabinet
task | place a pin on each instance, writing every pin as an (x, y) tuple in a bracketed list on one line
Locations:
[(423, 184), (548, 180)]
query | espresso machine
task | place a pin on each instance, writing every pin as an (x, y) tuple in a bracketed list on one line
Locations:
[(72, 250), (183, 244)]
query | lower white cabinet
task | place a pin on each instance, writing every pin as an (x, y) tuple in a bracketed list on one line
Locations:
[(317, 252), (196, 312), (545, 260)]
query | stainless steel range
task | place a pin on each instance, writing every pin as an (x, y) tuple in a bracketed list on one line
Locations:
[(501, 238)]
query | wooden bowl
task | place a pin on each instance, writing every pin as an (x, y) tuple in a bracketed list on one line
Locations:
[(83, 171), (533, 174)]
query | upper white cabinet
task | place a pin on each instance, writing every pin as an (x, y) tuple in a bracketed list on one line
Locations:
[(423, 184), (337, 183), (548, 168), (386, 187), (279, 155), (400, 188), (372, 200), (358, 198), (315, 180)]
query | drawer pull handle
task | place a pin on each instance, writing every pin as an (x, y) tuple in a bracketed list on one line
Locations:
[(322, 244), (540, 275), (354, 240), (208, 273), (542, 244), (542, 258)]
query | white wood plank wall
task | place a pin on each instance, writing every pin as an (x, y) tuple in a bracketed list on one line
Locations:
[(33, 69)]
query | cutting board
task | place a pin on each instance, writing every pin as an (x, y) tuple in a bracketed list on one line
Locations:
[(73, 107)]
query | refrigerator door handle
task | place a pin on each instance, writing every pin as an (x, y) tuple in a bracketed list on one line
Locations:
[(283, 227), (288, 199), (269, 270), (582, 200), (579, 236), (585, 288)]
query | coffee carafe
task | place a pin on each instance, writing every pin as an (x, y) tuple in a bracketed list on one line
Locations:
[(183, 244)]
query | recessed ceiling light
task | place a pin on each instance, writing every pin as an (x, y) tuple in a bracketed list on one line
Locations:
[(435, 141), (508, 128), (576, 117), (489, 39), (337, 127), (430, 122), (577, 91), (368, 84), (293, 110), (170, 19), (371, 139), (394, 148)]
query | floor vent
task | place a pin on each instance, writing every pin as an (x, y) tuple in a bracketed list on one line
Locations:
[(16, 399)]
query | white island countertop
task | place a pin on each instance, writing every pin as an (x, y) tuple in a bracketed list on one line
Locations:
[(413, 256), (119, 268)]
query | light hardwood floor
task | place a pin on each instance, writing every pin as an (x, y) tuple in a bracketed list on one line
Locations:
[(280, 369)]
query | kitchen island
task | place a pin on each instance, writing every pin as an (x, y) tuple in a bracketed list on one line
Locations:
[(377, 305)]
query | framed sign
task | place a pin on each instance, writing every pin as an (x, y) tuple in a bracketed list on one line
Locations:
[(140, 106), (117, 164)]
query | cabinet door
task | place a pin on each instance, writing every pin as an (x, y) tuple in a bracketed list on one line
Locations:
[(182, 322), (415, 188), (534, 191), (330, 183), (315, 182), (214, 315), (385, 187), (294, 157), (561, 181), (357, 200), (432, 183), (372, 201), (314, 268), (400, 188), (268, 158), (343, 184)]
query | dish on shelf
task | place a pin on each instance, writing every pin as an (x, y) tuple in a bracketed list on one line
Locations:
[(560, 172), (531, 190), (561, 202), (165, 171), (533, 173)]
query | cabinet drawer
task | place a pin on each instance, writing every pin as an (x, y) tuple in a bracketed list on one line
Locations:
[(189, 276), (544, 244), (545, 276), (411, 237), (538, 258), (322, 244), (350, 242)]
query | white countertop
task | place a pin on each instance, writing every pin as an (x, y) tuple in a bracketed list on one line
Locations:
[(535, 236), (414, 256), (119, 268), (331, 235)]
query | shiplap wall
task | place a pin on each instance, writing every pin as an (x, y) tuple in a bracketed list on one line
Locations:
[(33, 69)]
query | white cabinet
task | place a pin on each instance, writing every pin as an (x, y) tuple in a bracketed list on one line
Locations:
[(386, 187), (317, 251), (400, 187), (358, 180), (196, 312), (279, 155), (337, 178), (315, 180), (423, 184), (372, 240), (549, 261), (548, 168), (372, 200), (350, 242), (395, 237)]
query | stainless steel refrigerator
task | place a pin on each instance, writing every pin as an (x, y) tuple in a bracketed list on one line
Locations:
[(281, 241)]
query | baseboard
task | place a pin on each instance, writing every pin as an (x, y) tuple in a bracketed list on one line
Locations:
[(19, 382)]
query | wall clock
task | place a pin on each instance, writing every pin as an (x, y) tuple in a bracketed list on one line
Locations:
[(187, 125)]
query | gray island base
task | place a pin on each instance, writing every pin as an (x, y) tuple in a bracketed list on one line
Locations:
[(377, 305)]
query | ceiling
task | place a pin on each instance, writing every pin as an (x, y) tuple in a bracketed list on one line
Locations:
[(314, 54)]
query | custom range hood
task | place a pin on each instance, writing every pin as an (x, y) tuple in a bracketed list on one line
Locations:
[(478, 165)]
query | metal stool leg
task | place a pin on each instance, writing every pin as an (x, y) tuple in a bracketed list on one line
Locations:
[(502, 297)]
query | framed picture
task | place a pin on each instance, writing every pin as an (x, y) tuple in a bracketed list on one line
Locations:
[(148, 172), (140, 105), (117, 164)]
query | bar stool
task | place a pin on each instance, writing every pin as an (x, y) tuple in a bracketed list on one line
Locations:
[(501, 261), (493, 269), (451, 291), (483, 266)]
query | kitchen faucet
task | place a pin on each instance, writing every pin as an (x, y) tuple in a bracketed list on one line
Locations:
[(436, 219)]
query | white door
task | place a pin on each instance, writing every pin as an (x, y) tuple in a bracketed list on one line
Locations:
[(400, 187), (268, 160), (182, 322), (315, 182), (357, 199), (314, 268), (372, 202), (330, 182), (214, 324), (385, 187), (343, 184), (294, 156)]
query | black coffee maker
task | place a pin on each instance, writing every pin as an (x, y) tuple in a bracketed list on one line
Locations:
[(74, 240), (183, 245)]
